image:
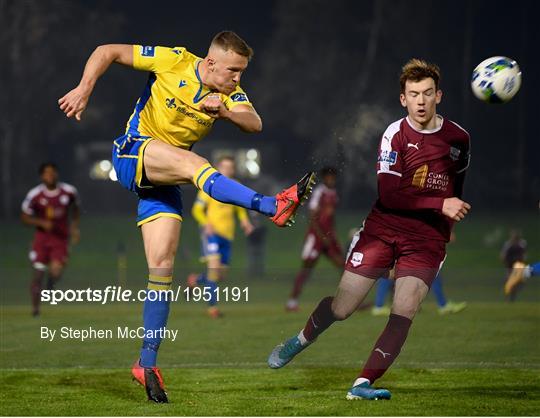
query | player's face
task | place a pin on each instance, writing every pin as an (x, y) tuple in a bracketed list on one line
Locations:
[(49, 177), (421, 99), (225, 70), (329, 181), (227, 168)]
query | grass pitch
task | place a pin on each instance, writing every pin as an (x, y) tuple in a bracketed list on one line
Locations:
[(483, 361)]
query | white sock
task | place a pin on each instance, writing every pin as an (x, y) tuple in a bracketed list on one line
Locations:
[(361, 380), (302, 339)]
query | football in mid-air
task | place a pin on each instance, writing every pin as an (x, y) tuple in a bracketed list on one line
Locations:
[(496, 80)]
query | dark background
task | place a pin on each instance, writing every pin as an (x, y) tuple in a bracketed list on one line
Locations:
[(324, 79)]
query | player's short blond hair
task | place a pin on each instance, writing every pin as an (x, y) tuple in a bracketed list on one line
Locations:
[(228, 40), (416, 70)]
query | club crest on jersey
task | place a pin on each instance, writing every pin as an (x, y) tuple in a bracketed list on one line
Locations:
[(356, 259), (64, 199), (148, 51), (389, 157), (454, 153), (239, 97)]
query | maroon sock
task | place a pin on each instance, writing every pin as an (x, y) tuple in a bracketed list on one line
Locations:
[(321, 318), (35, 292), (387, 347), (301, 278)]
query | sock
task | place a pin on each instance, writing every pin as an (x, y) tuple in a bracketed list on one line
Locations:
[(155, 314), (226, 190), (361, 380), (321, 318), (534, 269), (51, 281), (387, 347), (438, 291), (35, 291), (204, 281), (301, 278), (383, 287)]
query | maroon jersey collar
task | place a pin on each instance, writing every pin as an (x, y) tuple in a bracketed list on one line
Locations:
[(426, 131)]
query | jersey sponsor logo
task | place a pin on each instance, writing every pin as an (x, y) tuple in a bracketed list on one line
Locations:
[(437, 181), (424, 178), (415, 146), (419, 177), (239, 97), (148, 51), (170, 103), (454, 153), (356, 259), (389, 157), (182, 83)]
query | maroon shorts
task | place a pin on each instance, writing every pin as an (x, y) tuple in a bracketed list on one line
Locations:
[(314, 247), (47, 248), (373, 254)]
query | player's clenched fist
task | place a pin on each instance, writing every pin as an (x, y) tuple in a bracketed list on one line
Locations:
[(74, 102), (214, 107), (455, 208)]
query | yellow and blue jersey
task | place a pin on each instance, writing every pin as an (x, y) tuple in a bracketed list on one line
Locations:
[(168, 108), (220, 215)]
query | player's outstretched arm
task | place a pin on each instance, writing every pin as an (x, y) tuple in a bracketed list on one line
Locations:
[(74, 102)]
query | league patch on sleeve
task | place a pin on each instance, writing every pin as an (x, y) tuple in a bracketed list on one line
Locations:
[(239, 97), (388, 157), (148, 51)]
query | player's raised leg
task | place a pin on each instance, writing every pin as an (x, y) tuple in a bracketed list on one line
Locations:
[(409, 294), (351, 292), (165, 164), (161, 237)]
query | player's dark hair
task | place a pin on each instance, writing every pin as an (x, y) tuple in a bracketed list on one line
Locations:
[(417, 70), (328, 171), (228, 40), (44, 165)]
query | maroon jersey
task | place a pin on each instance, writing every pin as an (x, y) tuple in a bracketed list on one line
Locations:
[(416, 171), (323, 204), (51, 204)]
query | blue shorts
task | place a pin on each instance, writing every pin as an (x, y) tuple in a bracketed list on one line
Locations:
[(154, 201), (216, 244)]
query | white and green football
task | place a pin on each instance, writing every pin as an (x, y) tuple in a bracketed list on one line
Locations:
[(496, 80)]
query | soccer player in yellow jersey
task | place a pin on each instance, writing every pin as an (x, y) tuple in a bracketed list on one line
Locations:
[(182, 99), (217, 223)]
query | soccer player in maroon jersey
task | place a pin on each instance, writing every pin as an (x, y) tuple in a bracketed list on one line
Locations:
[(47, 207), (420, 174), (321, 237)]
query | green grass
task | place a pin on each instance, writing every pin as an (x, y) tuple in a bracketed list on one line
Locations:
[(484, 361)]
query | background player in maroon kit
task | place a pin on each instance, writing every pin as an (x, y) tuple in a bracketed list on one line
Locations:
[(420, 173), (321, 237), (47, 207)]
